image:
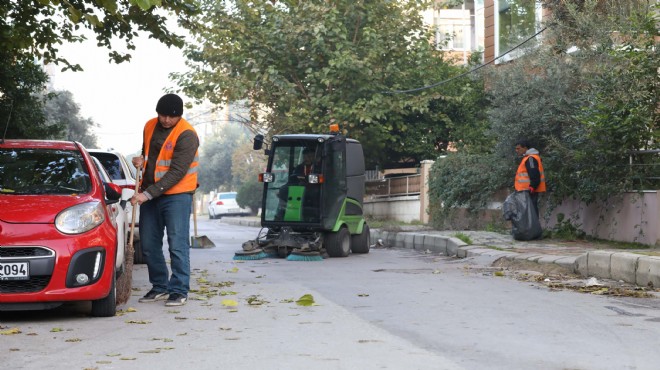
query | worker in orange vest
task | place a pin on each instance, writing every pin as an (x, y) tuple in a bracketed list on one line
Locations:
[(169, 162), (530, 176)]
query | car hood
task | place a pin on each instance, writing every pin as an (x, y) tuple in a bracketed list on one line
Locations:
[(37, 209)]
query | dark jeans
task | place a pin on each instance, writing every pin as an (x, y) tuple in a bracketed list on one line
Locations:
[(171, 213)]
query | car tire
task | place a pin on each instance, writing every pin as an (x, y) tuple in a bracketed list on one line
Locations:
[(138, 256), (211, 215), (106, 307), (338, 244), (360, 243)]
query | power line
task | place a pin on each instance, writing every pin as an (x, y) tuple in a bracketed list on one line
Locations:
[(468, 72)]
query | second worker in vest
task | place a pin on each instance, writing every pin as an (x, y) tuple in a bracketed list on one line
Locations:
[(530, 176), (169, 166)]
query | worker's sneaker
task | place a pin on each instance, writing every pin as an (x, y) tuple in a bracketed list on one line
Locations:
[(153, 296), (176, 299)]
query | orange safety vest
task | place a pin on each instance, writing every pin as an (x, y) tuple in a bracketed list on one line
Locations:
[(189, 181), (522, 181)]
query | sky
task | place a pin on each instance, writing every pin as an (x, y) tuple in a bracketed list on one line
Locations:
[(119, 97)]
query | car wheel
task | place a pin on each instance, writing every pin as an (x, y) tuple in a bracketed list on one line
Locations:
[(138, 257), (106, 307), (338, 244), (360, 243), (211, 215)]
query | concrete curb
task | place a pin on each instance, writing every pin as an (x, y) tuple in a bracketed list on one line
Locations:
[(628, 267)]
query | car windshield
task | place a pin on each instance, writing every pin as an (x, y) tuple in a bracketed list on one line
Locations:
[(289, 197), (43, 171)]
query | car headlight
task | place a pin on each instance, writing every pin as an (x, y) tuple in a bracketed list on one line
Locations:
[(80, 218)]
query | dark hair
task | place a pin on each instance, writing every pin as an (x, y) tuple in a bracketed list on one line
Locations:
[(523, 143)]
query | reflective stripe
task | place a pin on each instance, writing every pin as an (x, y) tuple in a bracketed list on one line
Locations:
[(189, 181), (522, 180), (160, 174)]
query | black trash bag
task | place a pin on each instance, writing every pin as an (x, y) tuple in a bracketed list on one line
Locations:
[(518, 209)]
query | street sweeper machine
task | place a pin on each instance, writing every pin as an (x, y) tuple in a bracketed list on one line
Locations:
[(312, 199)]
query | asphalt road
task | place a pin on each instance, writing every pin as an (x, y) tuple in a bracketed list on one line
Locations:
[(389, 309)]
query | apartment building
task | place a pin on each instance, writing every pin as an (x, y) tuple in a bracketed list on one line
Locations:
[(492, 27)]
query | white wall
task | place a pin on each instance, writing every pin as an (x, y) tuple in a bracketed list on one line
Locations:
[(405, 209)]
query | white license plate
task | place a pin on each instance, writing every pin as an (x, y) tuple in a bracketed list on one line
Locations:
[(14, 271), (234, 210)]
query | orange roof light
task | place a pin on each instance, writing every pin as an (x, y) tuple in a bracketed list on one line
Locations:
[(334, 128)]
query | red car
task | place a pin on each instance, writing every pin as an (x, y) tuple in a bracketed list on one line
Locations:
[(58, 237)]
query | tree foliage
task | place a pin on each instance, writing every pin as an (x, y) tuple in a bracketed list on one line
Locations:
[(31, 32), (586, 98), (34, 29), (215, 173), (305, 64), (62, 111)]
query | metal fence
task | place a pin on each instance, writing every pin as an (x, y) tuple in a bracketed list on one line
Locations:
[(394, 186)]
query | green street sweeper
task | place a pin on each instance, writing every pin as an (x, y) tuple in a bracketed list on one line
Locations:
[(312, 199)]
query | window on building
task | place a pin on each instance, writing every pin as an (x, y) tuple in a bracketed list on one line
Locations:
[(453, 32), (516, 21)]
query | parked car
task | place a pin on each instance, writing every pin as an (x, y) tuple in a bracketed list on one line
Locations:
[(116, 210), (123, 175), (224, 204), (59, 237)]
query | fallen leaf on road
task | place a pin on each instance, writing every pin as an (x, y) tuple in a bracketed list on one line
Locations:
[(11, 331), (151, 351), (229, 303), (56, 330), (254, 300), (363, 295), (141, 322), (74, 340), (233, 270), (306, 300)]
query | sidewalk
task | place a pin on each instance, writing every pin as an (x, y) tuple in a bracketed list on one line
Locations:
[(583, 258)]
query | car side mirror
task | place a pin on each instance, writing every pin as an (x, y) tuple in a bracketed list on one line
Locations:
[(258, 142), (112, 193)]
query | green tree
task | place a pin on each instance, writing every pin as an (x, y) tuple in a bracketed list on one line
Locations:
[(21, 109), (246, 165), (586, 98), (63, 111), (215, 171), (306, 64), (34, 29)]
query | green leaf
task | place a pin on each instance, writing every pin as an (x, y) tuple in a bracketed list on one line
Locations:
[(306, 300)]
